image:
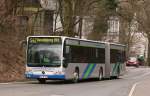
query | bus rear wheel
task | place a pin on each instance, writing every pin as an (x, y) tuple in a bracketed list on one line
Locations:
[(100, 74), (42, 81)]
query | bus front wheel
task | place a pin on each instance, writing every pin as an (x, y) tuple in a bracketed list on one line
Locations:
[(76, 76)]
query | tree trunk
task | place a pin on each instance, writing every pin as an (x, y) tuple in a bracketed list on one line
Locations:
[(80, 27), (68, 19)]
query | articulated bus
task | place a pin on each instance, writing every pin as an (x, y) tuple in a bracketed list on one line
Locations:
[(63, 58)]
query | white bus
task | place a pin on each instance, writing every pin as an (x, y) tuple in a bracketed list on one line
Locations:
[(62, 58)]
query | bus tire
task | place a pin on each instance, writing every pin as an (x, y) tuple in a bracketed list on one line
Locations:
[(100, 77), (42, 81), (76, 75)]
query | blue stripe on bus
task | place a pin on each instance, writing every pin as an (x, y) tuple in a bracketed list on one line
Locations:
[(92, 70), (33, 76), (115, 69), (85, 70), (88, 71)]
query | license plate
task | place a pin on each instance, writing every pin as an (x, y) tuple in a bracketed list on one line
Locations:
[(43, 76)]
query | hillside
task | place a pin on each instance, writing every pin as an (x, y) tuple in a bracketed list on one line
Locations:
[(11, 58)]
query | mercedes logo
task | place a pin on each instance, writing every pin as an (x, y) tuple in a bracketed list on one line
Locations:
[(43, 72)]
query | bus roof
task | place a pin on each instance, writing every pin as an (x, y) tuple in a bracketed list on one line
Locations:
[(117, 44), (65, 37)]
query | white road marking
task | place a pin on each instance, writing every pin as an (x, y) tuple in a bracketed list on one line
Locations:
[(133, 88), (56, 95)]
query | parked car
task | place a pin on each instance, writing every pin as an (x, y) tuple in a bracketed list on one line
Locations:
[(132, 61), (140, 58)]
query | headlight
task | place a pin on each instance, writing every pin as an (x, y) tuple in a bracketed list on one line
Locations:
[(28, 69)]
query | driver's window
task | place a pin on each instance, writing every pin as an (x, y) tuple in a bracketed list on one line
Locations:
[(67, 54)]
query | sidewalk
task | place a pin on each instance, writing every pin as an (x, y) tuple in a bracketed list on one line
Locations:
[(142, 89)]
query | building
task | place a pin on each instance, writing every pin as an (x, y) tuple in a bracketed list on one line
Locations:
[(39, 20), (113, 29)]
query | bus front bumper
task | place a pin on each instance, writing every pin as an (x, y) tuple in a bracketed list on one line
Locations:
[(45, 76)]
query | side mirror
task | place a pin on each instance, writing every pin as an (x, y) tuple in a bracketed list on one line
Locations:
[(65, 65), (23, 44)]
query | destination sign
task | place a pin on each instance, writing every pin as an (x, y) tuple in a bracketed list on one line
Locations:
[(51, 40)]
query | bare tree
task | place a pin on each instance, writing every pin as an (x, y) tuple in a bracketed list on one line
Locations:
[(72, 13), (102, 10), (6, 12), (128, 19), (141, 9), (143, 17)]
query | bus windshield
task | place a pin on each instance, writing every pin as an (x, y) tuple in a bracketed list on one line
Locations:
[(48, 55)]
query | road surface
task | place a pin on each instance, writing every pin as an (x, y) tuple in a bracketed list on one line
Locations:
[(119, 87)]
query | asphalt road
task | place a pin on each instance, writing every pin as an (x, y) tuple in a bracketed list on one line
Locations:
[(118, 87)]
